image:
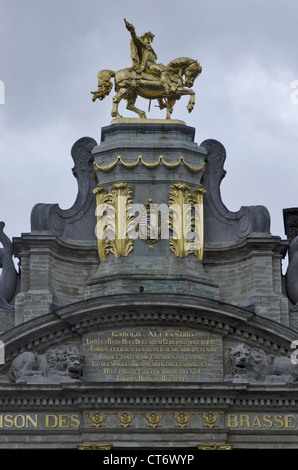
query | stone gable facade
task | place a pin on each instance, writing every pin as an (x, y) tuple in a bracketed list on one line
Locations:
[(139, 342)]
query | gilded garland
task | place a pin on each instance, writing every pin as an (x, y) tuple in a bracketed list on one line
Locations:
[(150, 165)]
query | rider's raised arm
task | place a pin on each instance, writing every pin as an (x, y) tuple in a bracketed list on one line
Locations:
[(130, 27)]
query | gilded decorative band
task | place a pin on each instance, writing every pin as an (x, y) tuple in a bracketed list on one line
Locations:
[(131, 165)]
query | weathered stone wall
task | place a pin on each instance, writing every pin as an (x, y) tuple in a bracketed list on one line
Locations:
[(248, 273), (54, 273)]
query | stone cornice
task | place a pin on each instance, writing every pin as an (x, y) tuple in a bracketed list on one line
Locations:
[(251, 246), (84, 251), (225, 396)]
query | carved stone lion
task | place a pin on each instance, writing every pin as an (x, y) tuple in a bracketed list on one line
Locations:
[(255, 365), (62, 363), (244, 363), (25, 366)]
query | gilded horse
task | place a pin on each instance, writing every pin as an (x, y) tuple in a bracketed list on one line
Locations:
[(130, 83)]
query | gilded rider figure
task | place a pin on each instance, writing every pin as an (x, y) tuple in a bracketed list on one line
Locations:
[(143, 55), (146, 78)]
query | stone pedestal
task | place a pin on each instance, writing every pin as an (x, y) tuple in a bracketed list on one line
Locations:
[(150, 159)]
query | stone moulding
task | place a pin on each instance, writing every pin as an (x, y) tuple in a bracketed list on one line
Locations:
[(109, 398)]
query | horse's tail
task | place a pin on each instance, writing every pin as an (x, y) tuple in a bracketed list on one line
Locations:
[(105, 84)]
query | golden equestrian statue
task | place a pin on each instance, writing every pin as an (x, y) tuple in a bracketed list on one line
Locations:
[(148, 79)]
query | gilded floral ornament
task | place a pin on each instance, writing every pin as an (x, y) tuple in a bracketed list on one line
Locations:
[(112, 229), (186, 220)]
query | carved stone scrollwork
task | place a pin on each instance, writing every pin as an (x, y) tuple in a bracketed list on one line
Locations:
[(68, 223), (8, 277), (292, 273), (220, 223)]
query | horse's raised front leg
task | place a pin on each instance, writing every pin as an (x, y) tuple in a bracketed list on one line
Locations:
[(184, 91), (191, 103)]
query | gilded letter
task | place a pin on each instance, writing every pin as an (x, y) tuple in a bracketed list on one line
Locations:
[(19, 421), (278, 419), (8, 419), (256, 422), (232, 421), (244, 419), (63, 421), (267, 421), (289, 421), (75, 421), (48, 419), (32, 420)]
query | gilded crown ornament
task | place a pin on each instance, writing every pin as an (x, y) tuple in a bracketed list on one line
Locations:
[(182, 418), (97, 418), (210, 418), (148, 79), (125, 418), (153, 418)]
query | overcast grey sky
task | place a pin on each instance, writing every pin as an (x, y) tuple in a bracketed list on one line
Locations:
[(52, 50)]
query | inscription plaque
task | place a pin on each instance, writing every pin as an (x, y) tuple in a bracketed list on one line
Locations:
[(150, 354)]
